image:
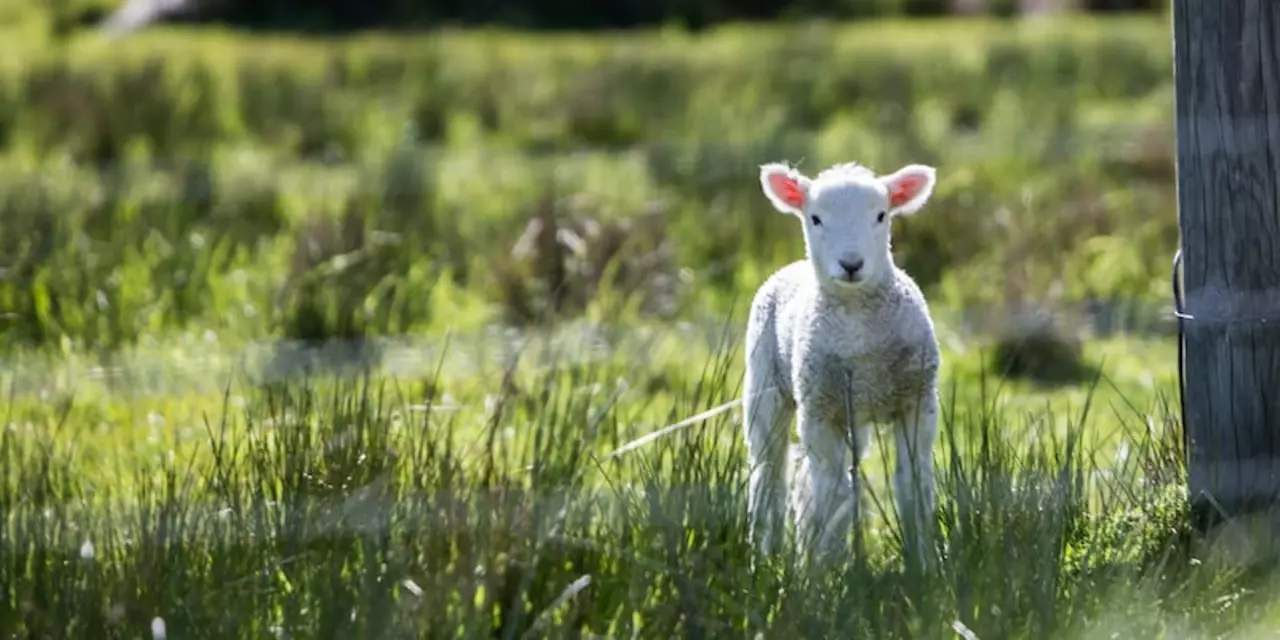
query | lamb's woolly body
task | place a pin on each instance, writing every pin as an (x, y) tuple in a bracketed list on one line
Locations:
[(837, 358), (880, 343)]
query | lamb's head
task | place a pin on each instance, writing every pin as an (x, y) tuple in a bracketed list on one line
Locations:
[(846, 211)]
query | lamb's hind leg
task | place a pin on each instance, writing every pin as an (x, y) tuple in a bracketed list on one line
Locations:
[(766, 417), (913, 479)]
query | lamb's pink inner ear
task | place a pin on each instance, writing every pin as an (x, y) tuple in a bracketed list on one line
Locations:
[(787, 189), (904, 189)]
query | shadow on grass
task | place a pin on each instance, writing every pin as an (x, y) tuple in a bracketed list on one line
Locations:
[(1042, 354), (353, 508)]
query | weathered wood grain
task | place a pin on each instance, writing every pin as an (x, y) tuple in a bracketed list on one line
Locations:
[(1227, 77)]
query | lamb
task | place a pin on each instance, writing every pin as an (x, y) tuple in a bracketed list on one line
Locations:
[(840, 341)]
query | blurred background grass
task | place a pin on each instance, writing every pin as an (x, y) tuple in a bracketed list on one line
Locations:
[(267, 185), (189, 202), (195, 211)]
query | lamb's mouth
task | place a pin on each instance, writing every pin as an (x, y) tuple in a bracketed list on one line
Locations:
[(849, 282)]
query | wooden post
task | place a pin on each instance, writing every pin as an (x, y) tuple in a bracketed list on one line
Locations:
[(1227, 80)]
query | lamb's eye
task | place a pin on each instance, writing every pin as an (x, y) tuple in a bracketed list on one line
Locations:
[(817, 222), (880, 218)]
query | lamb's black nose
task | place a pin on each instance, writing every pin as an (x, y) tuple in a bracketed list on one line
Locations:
[(851, 269)]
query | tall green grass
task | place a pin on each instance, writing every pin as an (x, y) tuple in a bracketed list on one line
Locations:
[(171, 199), (369, 507)]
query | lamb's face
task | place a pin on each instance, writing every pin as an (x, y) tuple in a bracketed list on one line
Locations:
[(846, 229), (846, 212)]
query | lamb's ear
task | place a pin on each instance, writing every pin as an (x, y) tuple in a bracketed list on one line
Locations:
[(909, 188), (785, 187)]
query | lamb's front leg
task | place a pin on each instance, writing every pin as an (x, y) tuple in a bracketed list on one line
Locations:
[(823, 502), (913, 479)]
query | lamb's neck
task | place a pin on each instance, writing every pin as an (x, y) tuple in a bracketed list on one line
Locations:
[(868, 297)]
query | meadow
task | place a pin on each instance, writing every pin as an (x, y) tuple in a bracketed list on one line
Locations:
[(361, 336)]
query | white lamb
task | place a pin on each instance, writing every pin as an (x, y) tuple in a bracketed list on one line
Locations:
[(841, 341)]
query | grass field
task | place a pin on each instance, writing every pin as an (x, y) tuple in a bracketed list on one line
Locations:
[(341, 338)]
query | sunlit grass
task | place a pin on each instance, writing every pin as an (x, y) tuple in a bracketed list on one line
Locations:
[(472, 505)]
